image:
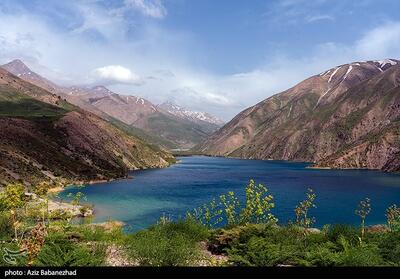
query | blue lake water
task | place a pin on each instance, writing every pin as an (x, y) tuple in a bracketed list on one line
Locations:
[(195, 180)]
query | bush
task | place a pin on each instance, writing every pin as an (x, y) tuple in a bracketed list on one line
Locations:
[(259, 251), (362, 255), (350, 233), (388, 244), (168, 244), (6, 227), (63, 252), (256, 245), (322, 255), (97, 233)]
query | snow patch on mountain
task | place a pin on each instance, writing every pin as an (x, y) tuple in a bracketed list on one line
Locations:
[(189, 114), (384, 62), (333, 74), (348, 72)]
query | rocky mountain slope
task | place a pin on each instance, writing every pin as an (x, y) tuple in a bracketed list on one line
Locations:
[(195, 116), (44, 137), (141, 114), (146, 120), (346, 117)]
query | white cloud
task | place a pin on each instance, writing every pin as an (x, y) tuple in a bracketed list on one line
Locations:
[(319, 17), (380, 42), (169, 59), (114, 74), (151, 8)]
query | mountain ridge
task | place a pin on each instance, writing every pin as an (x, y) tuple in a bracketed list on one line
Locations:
[(316, 118), (46, 138), (151, 121)]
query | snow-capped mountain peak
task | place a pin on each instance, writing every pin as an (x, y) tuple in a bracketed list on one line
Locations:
[(182, 112)]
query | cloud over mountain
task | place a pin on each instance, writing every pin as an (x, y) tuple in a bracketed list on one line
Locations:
[(114, 74)]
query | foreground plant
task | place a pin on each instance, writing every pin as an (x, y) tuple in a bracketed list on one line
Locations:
[(302, 210), (168, 244), (363, 209), (228, 210), (393, 218), (34, 242), (258, 205), (13, 199), (42, 190)]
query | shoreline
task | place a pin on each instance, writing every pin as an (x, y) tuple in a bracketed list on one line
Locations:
[(312, 165)]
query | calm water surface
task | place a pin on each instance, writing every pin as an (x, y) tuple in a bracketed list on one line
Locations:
[(195, 180)]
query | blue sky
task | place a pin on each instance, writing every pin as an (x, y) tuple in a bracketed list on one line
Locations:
[(219, 56)]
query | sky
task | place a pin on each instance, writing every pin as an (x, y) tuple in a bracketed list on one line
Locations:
[(218, 56)]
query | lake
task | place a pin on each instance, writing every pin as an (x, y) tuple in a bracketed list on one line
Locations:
[(195, 180)]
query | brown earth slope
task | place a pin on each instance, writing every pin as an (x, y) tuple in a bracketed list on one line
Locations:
[(148, 121), (44, 137), (347, 117)]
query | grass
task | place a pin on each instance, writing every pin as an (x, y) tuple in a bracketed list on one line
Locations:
[(14, 104), (176, 130), (146, 137), (168, 244)]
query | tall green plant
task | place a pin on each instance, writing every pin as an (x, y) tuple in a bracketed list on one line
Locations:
[(42, 190), (393, 217), (363, 209), (228, 209), (209, 215), (258, 205), (231, 207), (302, 210), (13, 198)]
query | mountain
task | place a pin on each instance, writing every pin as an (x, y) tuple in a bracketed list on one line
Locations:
[(140, 113), (346, 117), (134, 114), (18, 68), (195, 116), (45, 137)]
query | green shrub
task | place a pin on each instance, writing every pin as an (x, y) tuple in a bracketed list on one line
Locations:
[(321, 255), (6, 227), (388, 244), (350, 233), (361, 255), (97, 233), (168, 244), (63, 252), (259, 251)]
